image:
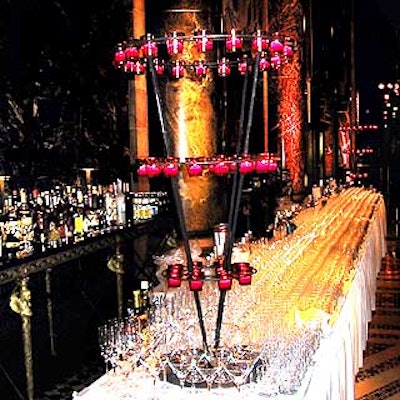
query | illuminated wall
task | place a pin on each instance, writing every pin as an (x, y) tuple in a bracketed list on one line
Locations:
[(191, 119), (286, 87), (329, 152), (288, 17), (291, 124)]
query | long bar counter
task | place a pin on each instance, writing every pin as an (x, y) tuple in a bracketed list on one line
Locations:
[(306, 313)]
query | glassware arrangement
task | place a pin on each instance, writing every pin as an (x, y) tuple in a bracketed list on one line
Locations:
[(271, 329)]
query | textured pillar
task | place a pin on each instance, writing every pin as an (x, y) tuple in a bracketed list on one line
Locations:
[(138, 108), (191, 120), (288, 21)]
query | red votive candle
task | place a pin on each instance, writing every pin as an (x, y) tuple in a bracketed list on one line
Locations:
[(174, 282), (245, 280), (225, 282), (196, 285), (174, 275)]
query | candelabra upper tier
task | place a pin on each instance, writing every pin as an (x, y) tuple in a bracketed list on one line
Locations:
[(232, 49)]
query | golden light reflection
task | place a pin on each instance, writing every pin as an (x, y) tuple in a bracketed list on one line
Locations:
[(291, 98), (191, 119), (291, 124), (329, 155), (311, 271)]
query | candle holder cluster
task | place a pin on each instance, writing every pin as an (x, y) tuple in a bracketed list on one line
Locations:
[(358, 128), (358, 175), (364, 151), (238, 50), (199, 273), (220, 165)]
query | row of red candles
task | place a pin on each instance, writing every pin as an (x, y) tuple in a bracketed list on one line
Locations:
[(204, 42), (201, 67), (170, 168), (240, 271)]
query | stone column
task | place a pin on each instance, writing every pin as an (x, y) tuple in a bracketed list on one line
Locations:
[(191, 120)]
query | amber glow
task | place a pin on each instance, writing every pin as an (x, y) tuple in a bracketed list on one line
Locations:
[(290, 119), (290, 106), (88, 174), (329, 155), (194, 135), (191, 121)]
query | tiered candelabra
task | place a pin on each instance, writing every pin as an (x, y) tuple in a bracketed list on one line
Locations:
[(234, 52)]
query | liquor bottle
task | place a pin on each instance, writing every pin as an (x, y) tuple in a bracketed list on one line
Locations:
[(62, 228), (15, 197), (129, 308), (120, 205), (26, 225), (110, 208), (68, 215), (78, 225), (2, 223), (154, 204), (3, 219), (87, 196), (38, 225), (79, 196), (53, 234), (12, 234), (24, 209), (101, 210), (144, 296), (129, 213), (137, 302), (94, 198), (145, 207)]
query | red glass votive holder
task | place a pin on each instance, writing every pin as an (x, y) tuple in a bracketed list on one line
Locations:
[(203, 42), (196, 278), (225, 281), (243, 272), (174, 275), (174, 282), (244, 280), (196, 285), (171, 168)]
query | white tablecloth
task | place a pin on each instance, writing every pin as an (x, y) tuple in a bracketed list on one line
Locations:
[(341, 353)]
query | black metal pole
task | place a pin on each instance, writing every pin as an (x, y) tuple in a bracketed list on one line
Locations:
[(245, 146), (237, 202), (177, 199), (238, 149)]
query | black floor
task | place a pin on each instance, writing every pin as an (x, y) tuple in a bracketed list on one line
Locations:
[(82, 297), (75, 382), (379, 376)]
